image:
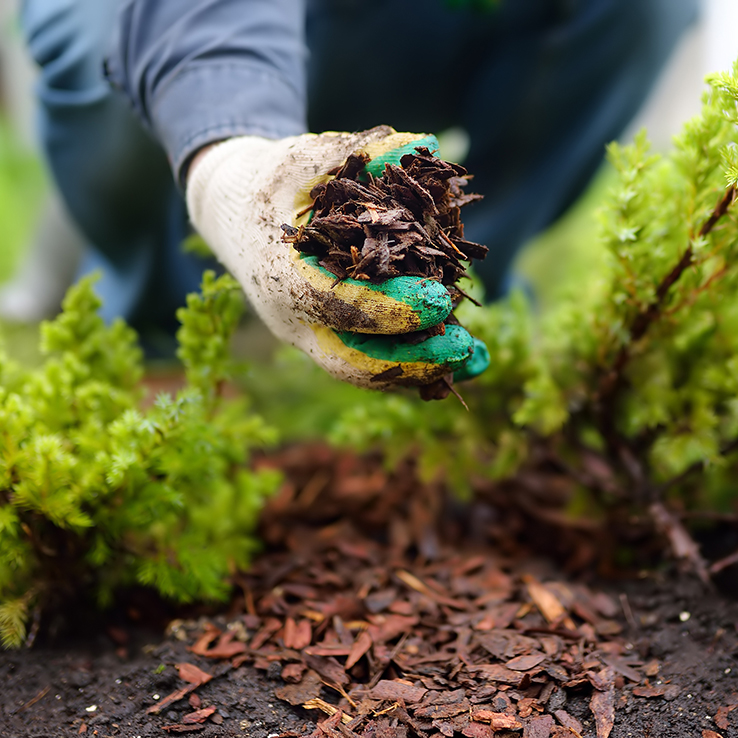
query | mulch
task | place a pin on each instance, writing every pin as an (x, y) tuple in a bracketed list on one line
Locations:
[(382, 607), (373, 616)]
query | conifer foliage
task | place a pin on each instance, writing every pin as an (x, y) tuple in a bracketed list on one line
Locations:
[(96, 493), (637, 370)]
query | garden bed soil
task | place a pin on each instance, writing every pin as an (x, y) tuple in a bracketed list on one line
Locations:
[(381, 608)]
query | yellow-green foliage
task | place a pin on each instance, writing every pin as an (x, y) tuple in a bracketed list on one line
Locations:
[(639, 363), (98, 493)]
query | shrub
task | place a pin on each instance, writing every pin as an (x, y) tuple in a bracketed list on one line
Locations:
[(637, 369), (98, 493)]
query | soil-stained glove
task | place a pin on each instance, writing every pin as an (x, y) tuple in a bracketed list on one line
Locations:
[(241, 191)]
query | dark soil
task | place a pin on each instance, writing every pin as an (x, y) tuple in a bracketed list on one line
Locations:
[(416, 593)]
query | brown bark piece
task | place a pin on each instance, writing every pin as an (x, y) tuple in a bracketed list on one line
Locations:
[(225, 648), (182, 728), (648, 691), (388, 689), (602, 705), (545, 601), (478, 730), (198, 716), (568, 721), (192, 674), (497, 720), (298, 694), (539, 727), (361, 646), (328, 668), (439, 712), (297, 635), (293, 673), (498, 673), (523, 663), (722, 716), (171, 699)]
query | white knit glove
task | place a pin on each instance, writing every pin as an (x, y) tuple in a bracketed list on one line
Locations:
[(239, 194)]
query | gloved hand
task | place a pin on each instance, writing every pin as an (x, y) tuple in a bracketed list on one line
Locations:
[(238, 195)]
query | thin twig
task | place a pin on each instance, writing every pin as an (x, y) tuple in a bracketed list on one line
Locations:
[(34, 700), (627, 611), (682, 544), (724, 563)]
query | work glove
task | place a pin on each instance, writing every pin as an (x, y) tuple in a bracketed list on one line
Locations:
[(241, 191)]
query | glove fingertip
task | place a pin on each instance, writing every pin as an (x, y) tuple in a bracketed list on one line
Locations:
[(477, 363)]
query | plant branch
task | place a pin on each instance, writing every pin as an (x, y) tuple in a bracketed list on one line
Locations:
[(611, 382)]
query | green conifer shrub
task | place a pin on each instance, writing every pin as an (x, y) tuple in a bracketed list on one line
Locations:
[(637, 368), (97, 493)]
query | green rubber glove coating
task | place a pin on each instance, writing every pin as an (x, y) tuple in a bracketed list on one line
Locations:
[(427, 298), (376, 166), (452, 349), (478, 363)]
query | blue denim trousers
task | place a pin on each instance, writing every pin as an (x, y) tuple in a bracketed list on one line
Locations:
[(540, 86)]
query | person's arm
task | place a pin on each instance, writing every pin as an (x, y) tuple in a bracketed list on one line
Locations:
[(199, 71), (232, 71)]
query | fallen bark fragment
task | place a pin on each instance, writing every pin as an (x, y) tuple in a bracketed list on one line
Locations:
[(297, 635), (442, 711), (360, 647), (545, 601), (182, 728), (722, 716), (497, 720), (387, 689), (568, 721), (602, 705), (539, 727), (198, 716), (523, 663), (306, 690), (170, 699), (478, 730), (648, 691), (192, 674)]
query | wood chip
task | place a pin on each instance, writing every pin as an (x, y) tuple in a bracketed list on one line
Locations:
[(545, 601), (389, 689), (602, 705), (479, 730), (523, 663), (498, 720), (361, 646), (192, 674), (198, 716), (723, 715), (297, 635), (539, 727), (649, 691), (305, 691), (568, 721), (182, 728)]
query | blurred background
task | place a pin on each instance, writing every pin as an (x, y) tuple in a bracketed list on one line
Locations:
[(31, 214)]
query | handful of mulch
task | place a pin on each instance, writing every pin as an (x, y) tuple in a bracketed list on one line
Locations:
[(405, 223)]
